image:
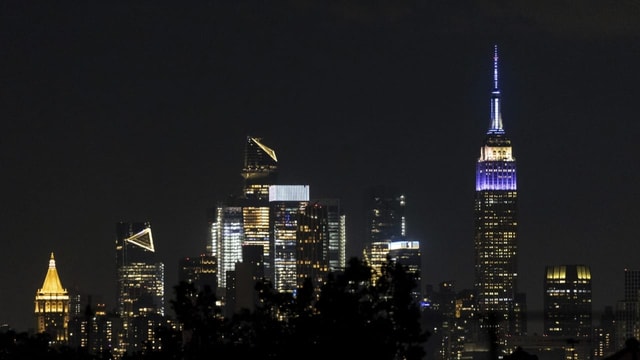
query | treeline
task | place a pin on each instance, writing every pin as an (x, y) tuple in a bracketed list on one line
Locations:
[(351, 317)]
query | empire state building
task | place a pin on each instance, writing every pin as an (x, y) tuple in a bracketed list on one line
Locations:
[(496, 223)]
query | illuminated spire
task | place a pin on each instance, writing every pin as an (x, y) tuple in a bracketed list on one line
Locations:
[(52, 284), (496, 115)]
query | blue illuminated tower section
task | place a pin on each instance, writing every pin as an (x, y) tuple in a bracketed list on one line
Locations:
[(496, 223)]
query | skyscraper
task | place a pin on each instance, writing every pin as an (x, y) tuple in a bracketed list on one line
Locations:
[(386, 222), (52, 306), (627, 314), (202, 271), (227, 234), (287, 202), (567, 301), (244, 220), (386, 215), (407, 253), (336, 225), (260, 169), (496, 220), (312, 242), (140, 278)]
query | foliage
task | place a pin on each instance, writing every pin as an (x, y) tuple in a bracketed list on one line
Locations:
[(351, 317)]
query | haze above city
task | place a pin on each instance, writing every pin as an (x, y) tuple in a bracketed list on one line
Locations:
[(138, 111)]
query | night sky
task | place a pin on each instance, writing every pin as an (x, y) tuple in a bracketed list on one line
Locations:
[(138, 111)]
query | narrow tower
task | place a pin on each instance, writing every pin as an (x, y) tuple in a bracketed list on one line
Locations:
[(52, 306), (140, 281), (496, 223)]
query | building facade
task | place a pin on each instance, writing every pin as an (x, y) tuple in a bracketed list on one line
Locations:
[(496, 222)]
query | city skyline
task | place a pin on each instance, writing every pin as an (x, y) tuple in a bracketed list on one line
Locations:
[(139, 112)]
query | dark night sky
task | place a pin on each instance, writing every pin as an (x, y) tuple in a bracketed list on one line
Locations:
[(138, 110)]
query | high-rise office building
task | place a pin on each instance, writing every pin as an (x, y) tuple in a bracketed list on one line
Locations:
[(386, 214), (287, 202), (240, 291), (52, 306), (337, 232), (496, 221), (567, 309), (312, 242), (604, 335), (567, 301), (140, 278), (227, 235), (260, 169), (407, 253), (244, 220), (627, 313), (95, 330), (375, 255), (386, 222), (202, 271)]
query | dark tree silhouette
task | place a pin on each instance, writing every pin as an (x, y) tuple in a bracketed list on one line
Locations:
[(201, 320), (378, 320)]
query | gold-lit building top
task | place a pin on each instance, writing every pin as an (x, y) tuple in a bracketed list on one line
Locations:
[(52, 284), (560, 272), (266, 149), (52, 306)]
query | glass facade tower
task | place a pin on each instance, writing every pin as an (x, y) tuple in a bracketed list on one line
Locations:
[(226, 240), (259, 172), (496, 221), (287, 202), (386, 215), (140, 278), (386, 222)]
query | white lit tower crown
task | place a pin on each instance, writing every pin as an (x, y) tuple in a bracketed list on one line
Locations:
[(496, 220)]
